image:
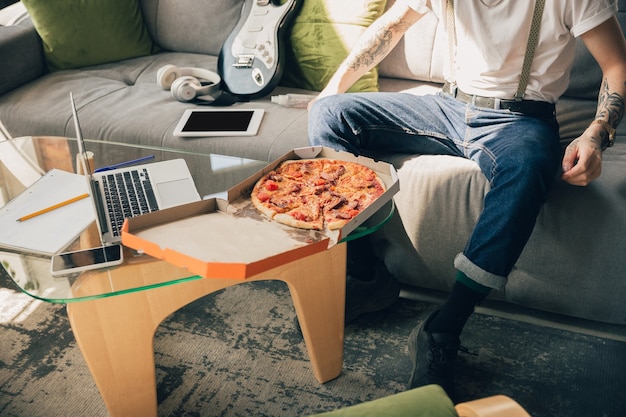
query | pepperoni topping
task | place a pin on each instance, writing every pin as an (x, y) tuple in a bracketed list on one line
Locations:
[(346, 215), (271, 186), (298, 216)]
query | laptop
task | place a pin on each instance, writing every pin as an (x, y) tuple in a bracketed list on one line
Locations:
[(131, 191)]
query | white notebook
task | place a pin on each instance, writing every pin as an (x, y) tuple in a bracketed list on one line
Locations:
[(53, 231)]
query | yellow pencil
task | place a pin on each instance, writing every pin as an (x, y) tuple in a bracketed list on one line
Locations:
[(53, 207)]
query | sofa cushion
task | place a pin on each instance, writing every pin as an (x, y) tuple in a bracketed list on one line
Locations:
[(121, 101), (322, 35), (79, 33), (441, 199), (189, 25), (421, 54)]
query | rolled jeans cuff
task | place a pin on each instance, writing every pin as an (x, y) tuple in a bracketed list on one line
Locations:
[(476, 273)]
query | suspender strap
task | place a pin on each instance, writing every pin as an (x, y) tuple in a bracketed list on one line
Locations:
[(451, 30), (533, 39)]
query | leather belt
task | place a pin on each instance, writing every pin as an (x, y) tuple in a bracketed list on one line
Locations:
[(528, 107)]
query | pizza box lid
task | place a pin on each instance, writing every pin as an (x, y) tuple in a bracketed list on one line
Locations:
[(230, 238)]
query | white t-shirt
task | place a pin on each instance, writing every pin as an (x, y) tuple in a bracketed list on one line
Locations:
[(491, 42)]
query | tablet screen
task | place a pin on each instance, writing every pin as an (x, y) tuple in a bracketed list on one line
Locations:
[(214, 122), (218, 121)]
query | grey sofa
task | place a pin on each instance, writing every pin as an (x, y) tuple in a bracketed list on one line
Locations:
[(573, 264)]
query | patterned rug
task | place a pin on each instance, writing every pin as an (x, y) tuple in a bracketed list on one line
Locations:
[(237, 353)]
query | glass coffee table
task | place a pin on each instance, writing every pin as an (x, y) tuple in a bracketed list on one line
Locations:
[(115, 312)]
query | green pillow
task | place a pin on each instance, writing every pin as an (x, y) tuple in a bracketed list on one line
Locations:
[(322, 35), (77, 33), (427, 401)]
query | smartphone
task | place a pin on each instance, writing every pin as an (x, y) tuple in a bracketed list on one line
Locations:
[(86, 259), (219, 122)]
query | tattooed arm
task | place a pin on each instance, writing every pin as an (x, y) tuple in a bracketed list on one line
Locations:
[(375, 43), (582, 162)]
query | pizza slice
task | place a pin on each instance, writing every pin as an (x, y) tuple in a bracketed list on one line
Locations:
[(307, 215), (337, 213), (359, 177), (274, 194)]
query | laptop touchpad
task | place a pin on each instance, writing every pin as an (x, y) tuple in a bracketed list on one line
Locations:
[(173, 193)]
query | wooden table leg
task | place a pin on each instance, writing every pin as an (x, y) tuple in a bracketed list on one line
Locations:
[(115, 334), (318, 290)]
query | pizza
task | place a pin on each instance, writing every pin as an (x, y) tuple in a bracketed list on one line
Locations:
[(316, 194)]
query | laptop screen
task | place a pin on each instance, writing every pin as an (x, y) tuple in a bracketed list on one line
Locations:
[(84, 156), (83, 160)]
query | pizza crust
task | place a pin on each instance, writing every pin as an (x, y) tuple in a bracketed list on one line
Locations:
[(258, 203), (288, 220)]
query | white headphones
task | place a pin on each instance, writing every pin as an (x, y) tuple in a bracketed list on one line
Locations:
[(188, 83)]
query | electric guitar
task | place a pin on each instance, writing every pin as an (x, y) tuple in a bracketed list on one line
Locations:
[(251, 59)]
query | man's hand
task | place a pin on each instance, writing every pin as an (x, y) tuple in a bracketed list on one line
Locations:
[(582, 162)]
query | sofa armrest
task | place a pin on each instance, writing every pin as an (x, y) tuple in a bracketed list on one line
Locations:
[(23, 49)]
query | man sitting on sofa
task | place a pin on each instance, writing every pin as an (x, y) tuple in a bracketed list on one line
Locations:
[(492, 111)]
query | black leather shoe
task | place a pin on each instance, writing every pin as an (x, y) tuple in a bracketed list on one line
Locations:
[(434, 356), (370, 296)]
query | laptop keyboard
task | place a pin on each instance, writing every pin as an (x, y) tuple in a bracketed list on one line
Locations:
[(127, 194)]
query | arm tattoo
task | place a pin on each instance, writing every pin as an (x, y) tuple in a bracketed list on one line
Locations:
[(377, 46), (595, 140), (610, 105)]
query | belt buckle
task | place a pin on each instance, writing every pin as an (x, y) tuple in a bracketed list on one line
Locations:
[(497, 104)]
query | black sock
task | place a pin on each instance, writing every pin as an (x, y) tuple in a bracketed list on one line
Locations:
[(458, 307)]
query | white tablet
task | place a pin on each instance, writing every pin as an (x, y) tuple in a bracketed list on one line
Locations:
[(219, 122)]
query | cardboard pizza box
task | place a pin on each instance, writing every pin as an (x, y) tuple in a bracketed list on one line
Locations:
[(231, 239)]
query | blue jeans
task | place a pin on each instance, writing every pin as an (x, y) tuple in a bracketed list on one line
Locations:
[(519, 155)]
